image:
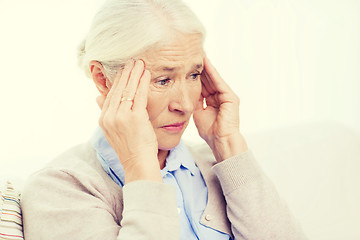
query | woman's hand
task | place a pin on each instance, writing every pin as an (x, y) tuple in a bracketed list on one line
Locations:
[(218, 123), (126, 126)]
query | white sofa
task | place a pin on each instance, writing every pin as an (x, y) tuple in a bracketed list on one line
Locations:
[(316, 168)]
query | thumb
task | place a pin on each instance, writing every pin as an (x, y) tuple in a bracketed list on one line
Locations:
[(200, 104), (198, 110), (100, 101)]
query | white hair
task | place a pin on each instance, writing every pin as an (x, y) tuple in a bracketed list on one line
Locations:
[(123, 29)]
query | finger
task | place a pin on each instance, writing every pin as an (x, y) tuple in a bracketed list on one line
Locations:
[(132, 85), (120, 82), (212, 101), (100, 101), (200, 104), (204, 91), (206, 83), (214, 77), (134, 79), (140, 100), (209, 84)]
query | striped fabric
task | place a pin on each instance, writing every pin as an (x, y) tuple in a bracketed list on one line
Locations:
[(10, 214)]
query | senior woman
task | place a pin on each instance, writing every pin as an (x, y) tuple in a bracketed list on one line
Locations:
[(136, 179)]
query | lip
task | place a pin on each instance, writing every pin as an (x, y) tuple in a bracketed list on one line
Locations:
[(175, 127)]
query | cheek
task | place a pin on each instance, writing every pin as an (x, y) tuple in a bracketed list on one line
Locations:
[(157, 102)]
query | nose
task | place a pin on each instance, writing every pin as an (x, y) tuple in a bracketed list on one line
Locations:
[(181, 100)]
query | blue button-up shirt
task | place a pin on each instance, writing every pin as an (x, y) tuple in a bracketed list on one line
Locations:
[(180, 171)]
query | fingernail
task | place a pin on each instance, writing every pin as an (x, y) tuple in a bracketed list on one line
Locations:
[(129, 63), (140, 62)]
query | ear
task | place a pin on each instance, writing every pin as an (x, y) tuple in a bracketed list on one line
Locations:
[(102, 83)]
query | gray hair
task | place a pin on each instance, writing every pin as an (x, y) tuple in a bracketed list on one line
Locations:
[(123, 29)]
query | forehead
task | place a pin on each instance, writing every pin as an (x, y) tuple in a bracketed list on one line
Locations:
[(182, 52)]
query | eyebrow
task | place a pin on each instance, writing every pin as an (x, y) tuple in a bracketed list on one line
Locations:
[(171, 69)]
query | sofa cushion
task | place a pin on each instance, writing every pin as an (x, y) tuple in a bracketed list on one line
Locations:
[(10, 213)]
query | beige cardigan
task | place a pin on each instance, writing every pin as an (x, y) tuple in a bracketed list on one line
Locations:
[(74, 198)]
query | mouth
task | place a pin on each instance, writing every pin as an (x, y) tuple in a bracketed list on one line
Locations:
[(175, 127)]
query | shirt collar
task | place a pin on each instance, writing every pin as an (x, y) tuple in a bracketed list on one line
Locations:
[(107, 156), (178, 156)]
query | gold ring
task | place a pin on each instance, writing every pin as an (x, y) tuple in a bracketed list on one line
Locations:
[(123, 99)]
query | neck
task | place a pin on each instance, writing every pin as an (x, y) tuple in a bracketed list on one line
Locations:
[(162, 154)]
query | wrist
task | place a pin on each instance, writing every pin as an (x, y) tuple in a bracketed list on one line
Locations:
[(227, 147), (148, 174), (145, 169)]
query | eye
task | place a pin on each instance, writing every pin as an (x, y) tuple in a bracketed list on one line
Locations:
[(164, 82), (195, 76)]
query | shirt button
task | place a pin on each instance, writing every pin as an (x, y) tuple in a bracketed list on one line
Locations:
[(208, 217)]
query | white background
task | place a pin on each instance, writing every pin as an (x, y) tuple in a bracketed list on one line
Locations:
[(290, 61)]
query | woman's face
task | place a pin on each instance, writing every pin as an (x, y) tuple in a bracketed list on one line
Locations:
[(175, 86)]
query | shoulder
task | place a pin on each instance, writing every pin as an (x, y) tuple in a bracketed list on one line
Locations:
[(201, 152), (81, 155), (80, 161), (70, 191), (75, 171)]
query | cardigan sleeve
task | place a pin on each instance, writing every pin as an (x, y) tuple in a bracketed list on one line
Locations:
[(61, 204), (253, 206)]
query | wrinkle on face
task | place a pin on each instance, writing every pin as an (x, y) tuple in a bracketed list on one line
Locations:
[(177, 60), (178, 54)]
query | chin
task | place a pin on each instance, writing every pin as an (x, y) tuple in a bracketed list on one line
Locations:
[(168, 141), (168, 144)]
